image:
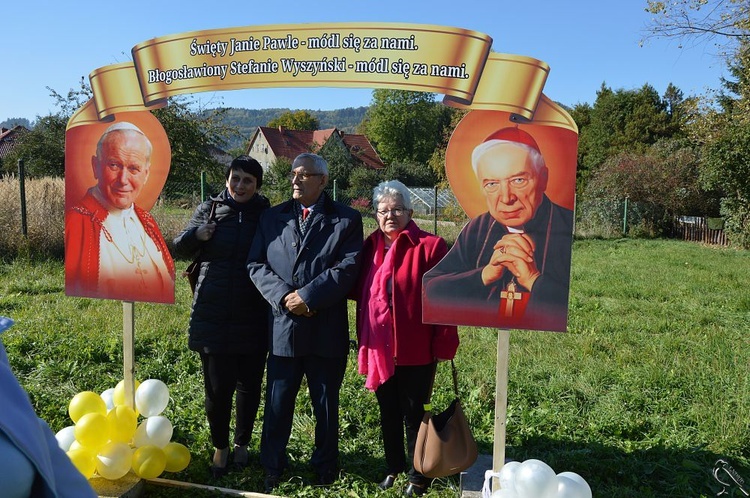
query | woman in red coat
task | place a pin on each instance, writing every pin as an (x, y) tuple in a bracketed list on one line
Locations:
[(397, 352)]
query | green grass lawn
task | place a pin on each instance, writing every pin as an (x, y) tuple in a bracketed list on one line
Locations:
[(649, 387)]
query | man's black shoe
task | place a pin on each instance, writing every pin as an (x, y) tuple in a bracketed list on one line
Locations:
[(387, 483), (415, 490), (327, 478), (270, 483), (218, 472)]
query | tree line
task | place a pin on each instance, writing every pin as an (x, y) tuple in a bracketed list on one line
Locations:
[(245, 121)]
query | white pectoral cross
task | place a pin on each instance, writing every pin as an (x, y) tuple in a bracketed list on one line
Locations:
[(509, 296)]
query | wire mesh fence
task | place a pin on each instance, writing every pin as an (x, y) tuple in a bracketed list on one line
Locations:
[(435, 208), (35, 224)]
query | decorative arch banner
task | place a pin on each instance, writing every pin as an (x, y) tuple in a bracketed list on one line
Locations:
[(455, 62), (500, 90)]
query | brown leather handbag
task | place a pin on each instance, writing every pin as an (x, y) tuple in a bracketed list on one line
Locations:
[(445, 445)]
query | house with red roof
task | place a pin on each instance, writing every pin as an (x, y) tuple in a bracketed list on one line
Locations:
[(8, 139), (269, 144)]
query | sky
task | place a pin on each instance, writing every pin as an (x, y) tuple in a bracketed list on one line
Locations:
[(585, 42)]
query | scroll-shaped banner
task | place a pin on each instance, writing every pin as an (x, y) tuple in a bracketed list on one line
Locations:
[(404, 56), (512, 83), (455, 62), (117, 89)]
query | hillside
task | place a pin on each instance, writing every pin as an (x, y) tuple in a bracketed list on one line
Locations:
[(246, 120)]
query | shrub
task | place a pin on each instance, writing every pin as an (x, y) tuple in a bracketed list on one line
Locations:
[(361, 204)]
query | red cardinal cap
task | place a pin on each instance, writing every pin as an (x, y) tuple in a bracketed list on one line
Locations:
[(514, 134)]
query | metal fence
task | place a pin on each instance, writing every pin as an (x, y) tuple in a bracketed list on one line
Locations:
[(33, 214), (437, 210), (700, 229), (623, 218)]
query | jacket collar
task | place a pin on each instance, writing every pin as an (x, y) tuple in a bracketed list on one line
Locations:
[(328, 205), (410, 232)]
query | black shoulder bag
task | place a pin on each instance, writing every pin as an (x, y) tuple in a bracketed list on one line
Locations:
[(194, 268)]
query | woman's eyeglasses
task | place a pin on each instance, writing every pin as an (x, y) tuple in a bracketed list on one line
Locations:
[(395, 212)]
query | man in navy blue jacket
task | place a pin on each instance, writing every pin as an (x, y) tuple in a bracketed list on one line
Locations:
[(304, 261)]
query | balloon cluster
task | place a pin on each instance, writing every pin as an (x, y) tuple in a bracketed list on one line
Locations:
[(107, 439), (535, 479)]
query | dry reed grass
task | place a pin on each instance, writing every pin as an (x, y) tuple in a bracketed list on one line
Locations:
[(45, 218)]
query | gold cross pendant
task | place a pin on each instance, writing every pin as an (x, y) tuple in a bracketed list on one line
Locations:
[(508, 297)]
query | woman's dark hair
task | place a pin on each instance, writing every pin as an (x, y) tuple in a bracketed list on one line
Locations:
[(248, 165)]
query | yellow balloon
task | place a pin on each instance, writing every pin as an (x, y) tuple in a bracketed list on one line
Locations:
[(122, 423), (92, 431), (178, 457), (86, 402), (118, 397), (114, 460), (75, 445), (149, 462), (84, 460)]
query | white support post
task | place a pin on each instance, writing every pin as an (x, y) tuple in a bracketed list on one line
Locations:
[(501, 403), (128, 351)]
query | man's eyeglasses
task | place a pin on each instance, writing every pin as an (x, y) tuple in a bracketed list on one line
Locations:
[(303, 177), (394, 212)]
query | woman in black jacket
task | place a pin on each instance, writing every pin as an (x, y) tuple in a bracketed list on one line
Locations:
[(229, 317)]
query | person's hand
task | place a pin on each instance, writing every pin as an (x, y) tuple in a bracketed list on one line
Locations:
[(514, 253), (294, 303), (494, 269), (205, 231)]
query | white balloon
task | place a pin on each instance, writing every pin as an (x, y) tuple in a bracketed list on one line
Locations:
[(585, 489), (156, 431), (507, 475), (504, 493), (109, 398), (151, 397), (65, 437), (568, 488), (535, 479)]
